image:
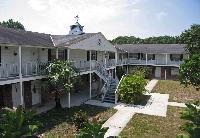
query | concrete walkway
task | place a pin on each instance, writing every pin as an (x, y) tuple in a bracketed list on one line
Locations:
[(177, 104), (157, 105)]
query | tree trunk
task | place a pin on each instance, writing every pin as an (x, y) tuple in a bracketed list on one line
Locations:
[(57, 100)]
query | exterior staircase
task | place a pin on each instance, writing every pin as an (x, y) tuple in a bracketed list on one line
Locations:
[(110, 85)]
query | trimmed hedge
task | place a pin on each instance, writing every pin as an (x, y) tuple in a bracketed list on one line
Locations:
[(131, 89)]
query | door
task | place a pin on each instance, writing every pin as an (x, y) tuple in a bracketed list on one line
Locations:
[(36, 93), (27, 94), (158, 72)]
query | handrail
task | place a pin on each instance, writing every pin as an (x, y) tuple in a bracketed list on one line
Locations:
[(116, 95)]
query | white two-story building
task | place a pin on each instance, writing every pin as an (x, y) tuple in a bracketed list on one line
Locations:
[(163, 59), (24, 56)]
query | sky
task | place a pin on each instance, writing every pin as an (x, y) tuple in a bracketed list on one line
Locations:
[(140, 18)]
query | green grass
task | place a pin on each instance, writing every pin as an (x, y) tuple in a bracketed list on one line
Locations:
[(58, 123), (176, 91), (147, 126)]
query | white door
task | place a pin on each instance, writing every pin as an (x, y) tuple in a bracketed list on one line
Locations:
[(158, 72), (36, 92)]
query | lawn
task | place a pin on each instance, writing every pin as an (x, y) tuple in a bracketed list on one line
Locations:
[(177, 92), (58, 124), (147, 126)]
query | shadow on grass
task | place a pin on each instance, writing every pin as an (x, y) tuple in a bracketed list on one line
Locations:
[(55, 117)]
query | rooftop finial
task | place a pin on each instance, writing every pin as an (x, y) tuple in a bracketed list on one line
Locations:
[(76, 17)]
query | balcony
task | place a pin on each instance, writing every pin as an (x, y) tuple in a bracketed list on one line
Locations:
[(110, 63), (11, 71)]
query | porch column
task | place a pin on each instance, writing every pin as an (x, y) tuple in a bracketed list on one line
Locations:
[(166, 59), (90, 75), (69, 100), (90, 85), (122, 59), (146, 59), (127, 59), (105, 55), (127, 70), (20, 76), (116, 58), (68, 51), (115, 72), (56, 53), (165, 74)]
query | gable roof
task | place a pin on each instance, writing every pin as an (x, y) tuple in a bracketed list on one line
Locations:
[(21, 37), (67, 40), (153, 48)]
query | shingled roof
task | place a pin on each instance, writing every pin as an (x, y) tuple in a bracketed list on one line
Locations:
[(20, 37), (67, 40), (153, 48)]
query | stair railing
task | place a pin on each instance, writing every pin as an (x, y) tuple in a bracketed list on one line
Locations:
[(116, 91)]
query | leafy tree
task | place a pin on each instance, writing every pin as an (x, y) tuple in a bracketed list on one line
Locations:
[(189, 70), (61, 78), (93, 130), (12, 24), (15, 124), (80, 119), (192, 126), (141, 71)]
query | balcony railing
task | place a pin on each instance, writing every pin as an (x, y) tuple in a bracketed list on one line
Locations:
[(8, 71), (111, 62)]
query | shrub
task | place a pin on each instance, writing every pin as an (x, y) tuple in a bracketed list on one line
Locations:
[(141, 71), (80, 119), (131, 89), (192, 115), (93, 130), (19, 123)]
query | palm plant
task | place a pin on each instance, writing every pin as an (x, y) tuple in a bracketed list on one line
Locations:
[(61, 78), (18, 123), (93, 130)]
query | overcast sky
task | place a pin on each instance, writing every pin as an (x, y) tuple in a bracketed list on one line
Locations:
[(141, 18)]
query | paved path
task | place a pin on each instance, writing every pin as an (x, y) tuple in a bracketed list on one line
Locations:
[(157, 105), (177, 104)]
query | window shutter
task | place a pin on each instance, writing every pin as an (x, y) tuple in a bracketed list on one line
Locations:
[(65, 54), (88, 55), (181, 57), (154, 57), (96, 56), (138, 55), (170, 56), (49, 54)]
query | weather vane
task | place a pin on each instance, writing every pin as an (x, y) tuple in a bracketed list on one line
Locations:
[(76, 17)]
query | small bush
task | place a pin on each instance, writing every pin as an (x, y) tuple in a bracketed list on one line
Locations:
[(80, 119), (192, 126), (131, 89), (93, 130), (141, 71)]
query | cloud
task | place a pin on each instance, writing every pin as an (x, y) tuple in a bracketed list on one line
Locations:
[(161, 15), (96, 15)]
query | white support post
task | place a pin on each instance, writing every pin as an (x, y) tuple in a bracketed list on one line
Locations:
[(165, 74), (127, 59), (127, 70), (146, 59), (56, 53), (122, 59), (105, 57), (68, 52), (20, 76), (166, 59), (69, 100), (116, 58), (90, 60), (90, 86), (115, 72)]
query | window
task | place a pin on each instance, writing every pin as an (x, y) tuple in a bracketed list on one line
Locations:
[(49, 55), (93, 55), (133, 55), (151, 56), (176, 57), (111, 55)]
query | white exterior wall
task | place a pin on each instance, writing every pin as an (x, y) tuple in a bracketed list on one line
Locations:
[(43, 55), (77, 55), (7, 55), (36, 96), (100, 56), (16, 94), (161, 58), (174, 71)]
